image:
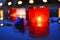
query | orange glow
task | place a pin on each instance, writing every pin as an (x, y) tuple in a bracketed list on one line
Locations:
[(59, 12), (1, 15), (39, 20), (14, 15), (39, 24)]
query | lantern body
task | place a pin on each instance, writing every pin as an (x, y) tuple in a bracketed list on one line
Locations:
[(12, 14), (39, 21)]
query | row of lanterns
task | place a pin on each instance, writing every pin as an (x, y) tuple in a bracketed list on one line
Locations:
[(21, 12), (19, 2), (38, 20)]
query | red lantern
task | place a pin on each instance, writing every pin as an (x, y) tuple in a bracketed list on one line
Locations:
[(13, 15), (39, 21)]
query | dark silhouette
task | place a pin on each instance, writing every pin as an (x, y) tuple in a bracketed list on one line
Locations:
[(20, 25)]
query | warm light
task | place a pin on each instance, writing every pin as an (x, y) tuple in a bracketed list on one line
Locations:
[(9, 3), (13, 15), (8, 11), (39, 19), (1, 24), (45, 1), (1, 14), (19, 2), (39, 25), (59, 21), (31, 1), (21, 12), (59, 0), (59, 12), (1, 4)]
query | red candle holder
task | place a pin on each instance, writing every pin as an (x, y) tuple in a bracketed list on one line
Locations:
[(39, 21)]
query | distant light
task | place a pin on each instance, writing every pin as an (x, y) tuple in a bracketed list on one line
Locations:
[(1, 18), (45, 1), (1, 4), (20, 2), (59, 0), (59, 13), (9, 3), (31, 1), (1, 15), (1, 24), (59, 21)]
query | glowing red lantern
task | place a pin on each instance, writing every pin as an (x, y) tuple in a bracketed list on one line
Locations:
[(39, 21), (12, 13)]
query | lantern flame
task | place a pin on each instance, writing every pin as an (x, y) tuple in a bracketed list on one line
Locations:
[(39, 20), (39, 25)]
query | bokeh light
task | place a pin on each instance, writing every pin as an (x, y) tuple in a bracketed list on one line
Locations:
[(1, 24), (1, 4), (20, 2), (45, 1), (9, 3), (31, 1)]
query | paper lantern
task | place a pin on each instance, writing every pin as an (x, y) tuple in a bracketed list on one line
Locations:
[(39, 21), (13, 15)]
